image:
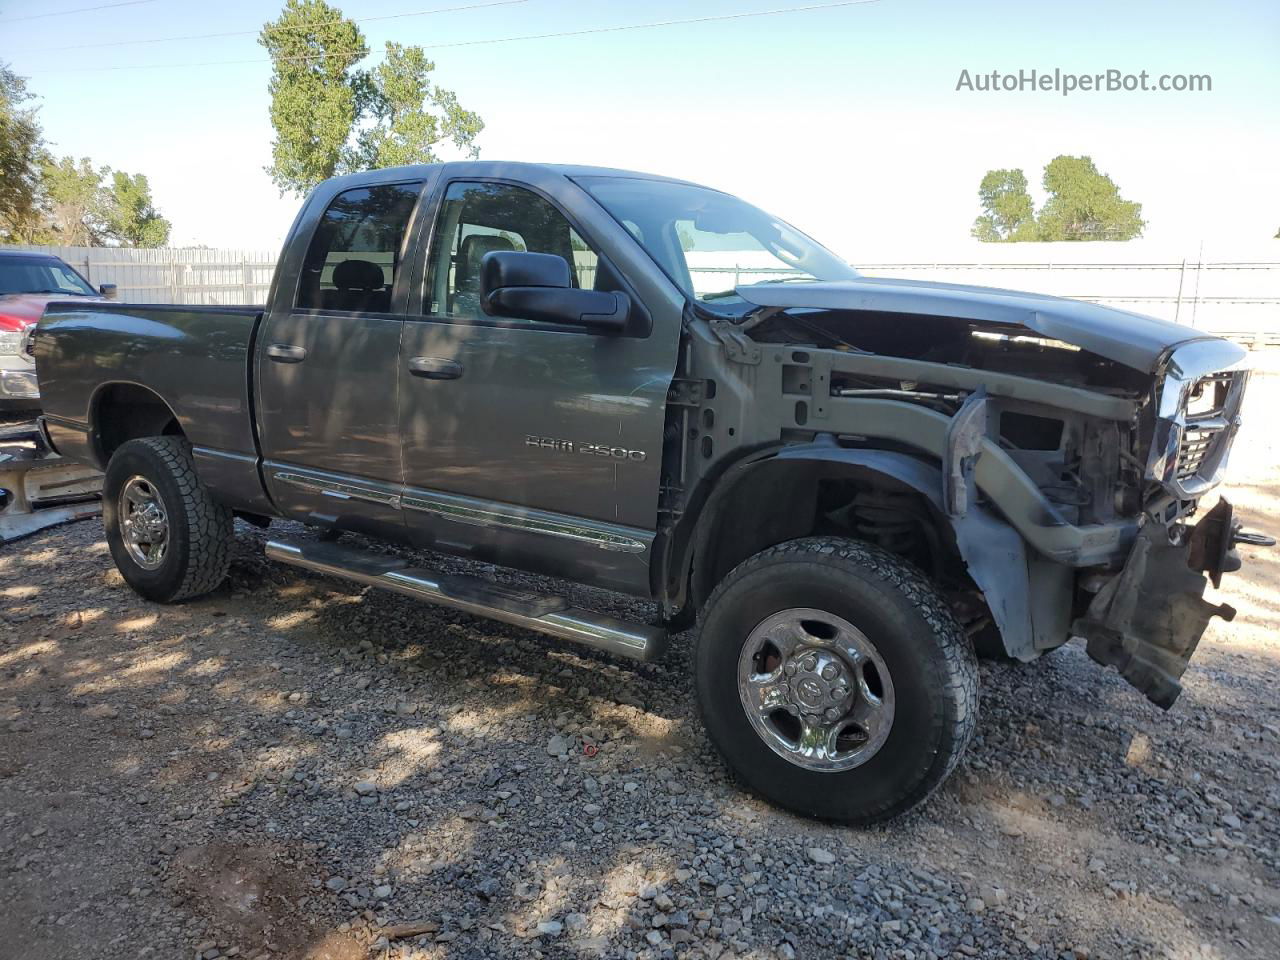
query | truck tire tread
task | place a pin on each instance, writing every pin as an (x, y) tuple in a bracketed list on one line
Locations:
[(957, 683), (209, 524)]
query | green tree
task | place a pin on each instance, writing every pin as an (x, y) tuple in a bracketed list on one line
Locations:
[(314, 91), (130, 213), (73, 203), (404, 130), (22, 155), (1008, 212), (76, 208), (331, 117), (1085, 204)]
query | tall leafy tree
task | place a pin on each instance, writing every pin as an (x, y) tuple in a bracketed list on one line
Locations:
[(1008, 213), (332, 117), (1085, 204), (314, 91), (73, 202), (22, 155), (409, 114), (130, 213)]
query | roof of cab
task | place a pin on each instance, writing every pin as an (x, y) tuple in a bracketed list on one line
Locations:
[(496, 167)]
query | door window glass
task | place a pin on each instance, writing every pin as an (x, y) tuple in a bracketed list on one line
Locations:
[(355, 253), (478, 218)]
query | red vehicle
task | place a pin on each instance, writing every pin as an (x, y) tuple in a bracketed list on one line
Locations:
[(28, 281)]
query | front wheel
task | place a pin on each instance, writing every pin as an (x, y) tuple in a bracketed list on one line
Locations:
[(169, 538), (834, 680)]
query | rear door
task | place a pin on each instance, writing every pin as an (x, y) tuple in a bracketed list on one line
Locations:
[(327, 359), (525, 443)]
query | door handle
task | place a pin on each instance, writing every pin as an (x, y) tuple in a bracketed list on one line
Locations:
[(286, 353), (435, 368)]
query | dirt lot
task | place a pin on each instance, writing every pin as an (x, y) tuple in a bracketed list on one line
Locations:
[(297, 768)]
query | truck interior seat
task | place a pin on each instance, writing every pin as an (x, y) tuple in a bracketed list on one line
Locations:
[(359, 285), (466, 297)]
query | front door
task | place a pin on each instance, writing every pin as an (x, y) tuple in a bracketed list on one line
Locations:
[(327, 367), (527, 444)]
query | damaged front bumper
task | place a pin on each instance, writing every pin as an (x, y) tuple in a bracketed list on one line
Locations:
[(1147, 621)]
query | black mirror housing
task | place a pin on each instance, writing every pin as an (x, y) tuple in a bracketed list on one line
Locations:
[(536, 286), (108, 290), (510, 268)]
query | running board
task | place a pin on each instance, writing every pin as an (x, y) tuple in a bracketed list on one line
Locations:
[(546, 614)]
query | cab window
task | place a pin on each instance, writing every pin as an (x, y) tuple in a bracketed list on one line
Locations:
[(478, 218), (354, 255)]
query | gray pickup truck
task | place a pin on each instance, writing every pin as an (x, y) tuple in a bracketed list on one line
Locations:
[(651, 387)]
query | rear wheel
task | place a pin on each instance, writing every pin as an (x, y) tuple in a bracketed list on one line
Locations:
[(169, 538), (835, 680)]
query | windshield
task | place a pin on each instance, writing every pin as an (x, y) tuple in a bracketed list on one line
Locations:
[(41, 275), (709, 242)]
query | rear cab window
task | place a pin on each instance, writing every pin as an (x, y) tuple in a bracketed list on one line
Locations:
[(355, 253)]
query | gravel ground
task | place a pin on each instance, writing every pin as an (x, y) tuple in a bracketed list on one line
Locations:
[(297, 768)]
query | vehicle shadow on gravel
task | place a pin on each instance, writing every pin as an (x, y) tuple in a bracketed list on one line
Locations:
[(297, 764)]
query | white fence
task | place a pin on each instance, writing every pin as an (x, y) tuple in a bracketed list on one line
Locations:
[(174, 275), (1233, 292)]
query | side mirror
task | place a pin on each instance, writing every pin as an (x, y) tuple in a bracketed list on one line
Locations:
[(535, 286), (108, 290)]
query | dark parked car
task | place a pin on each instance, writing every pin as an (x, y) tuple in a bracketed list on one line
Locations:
[(655, 388), (28, 281)]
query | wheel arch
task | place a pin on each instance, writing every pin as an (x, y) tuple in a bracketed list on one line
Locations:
[(121, 410), (780, 490)]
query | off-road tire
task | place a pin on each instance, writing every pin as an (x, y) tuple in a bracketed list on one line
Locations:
[(929, 658), (200, 528)]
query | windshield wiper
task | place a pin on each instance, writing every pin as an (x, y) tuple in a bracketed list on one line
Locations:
[(69, 293)]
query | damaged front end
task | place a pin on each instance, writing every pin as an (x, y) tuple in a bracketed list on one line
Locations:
[(1147, 621)]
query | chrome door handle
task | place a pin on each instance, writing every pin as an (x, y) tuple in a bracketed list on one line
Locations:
[(286, 353), (435, 368)]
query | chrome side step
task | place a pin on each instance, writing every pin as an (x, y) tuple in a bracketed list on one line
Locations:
[(545, 614)]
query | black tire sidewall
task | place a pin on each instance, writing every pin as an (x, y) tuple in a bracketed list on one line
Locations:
[(902, 770), (137, 458)]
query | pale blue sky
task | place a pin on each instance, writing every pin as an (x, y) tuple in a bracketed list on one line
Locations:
[(845, 121)]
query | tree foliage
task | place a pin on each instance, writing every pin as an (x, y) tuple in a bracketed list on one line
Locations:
[(21, 156), (1009, 212), (331, 117), (64, 201), (314, 92), (130, 214), (84, 206), (73, 203), (1083, 204)]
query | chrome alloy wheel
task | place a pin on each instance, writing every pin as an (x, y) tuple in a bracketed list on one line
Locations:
[(144, 525), (816, 690)]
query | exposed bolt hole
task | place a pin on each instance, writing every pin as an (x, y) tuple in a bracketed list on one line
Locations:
[(767, 659), (787, 725), (819, 629), (872, 676)]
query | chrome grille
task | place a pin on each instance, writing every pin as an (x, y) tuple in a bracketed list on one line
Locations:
[(1206, 422), (1197, 415), (1194, 449)]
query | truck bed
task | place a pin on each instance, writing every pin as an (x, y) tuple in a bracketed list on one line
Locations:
[(197, 358)]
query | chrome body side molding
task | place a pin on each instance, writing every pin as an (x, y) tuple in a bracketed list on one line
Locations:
[(488, 514), (341, 490)]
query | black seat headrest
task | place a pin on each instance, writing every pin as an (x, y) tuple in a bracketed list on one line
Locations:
[(358, 275)]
